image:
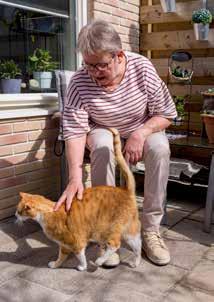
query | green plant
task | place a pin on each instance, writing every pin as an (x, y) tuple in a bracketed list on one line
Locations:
[(202, 15), (41, 60), (9, 70), (180, 72), (179, 104)]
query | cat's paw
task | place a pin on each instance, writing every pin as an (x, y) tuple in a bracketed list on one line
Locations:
[(81, 268), (52, 264)]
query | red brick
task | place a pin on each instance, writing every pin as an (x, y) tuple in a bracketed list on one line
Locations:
[(7, 172), (31, 146), (6, 150), (4, 129), (13, 160), (13, 139), (29, 167), (9, 202), (12, 181)]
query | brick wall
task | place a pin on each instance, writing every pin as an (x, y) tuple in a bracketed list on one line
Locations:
[(27, 160), (123, 15)]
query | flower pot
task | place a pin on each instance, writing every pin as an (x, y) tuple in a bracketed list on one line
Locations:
[(208, 120), (44, 79), (201, 31), (11, 85), (168, 6)]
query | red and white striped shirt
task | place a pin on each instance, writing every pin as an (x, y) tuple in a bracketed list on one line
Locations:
[(140, 95)]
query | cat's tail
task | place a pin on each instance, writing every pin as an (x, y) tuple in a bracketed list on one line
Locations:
[(129, 178)]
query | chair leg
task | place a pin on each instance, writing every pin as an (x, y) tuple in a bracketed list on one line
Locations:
[(209, 198)]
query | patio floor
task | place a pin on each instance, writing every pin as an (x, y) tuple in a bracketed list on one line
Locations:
[(25, 252)]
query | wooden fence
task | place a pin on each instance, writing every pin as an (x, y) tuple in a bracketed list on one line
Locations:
[(162, 33)]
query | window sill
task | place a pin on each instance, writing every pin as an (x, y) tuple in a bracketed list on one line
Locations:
[(27, 104)]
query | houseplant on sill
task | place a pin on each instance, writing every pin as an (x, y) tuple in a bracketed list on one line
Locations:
[(168, 6), (201, 19), (10, 75), (41, 66)]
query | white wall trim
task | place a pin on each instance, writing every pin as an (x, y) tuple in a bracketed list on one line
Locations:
[(81, 20)]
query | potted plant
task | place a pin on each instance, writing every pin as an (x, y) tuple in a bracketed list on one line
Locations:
[(201, 19), (207, 113), (180, 107), (168, 6), (10, 75), (180, 74), (42, 66)]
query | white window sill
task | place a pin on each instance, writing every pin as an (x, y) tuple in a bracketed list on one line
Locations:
[(27, 104)]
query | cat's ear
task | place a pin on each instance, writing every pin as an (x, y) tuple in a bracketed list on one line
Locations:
[(24, 195)]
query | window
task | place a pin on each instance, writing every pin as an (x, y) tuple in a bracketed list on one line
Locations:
[(47, 26)]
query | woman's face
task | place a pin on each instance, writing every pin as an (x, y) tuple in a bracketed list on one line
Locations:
[(103, 68)]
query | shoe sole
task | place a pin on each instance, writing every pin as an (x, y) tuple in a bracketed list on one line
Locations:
[(157, 262)]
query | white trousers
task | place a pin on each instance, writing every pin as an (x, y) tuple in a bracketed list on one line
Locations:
[(156, 154)]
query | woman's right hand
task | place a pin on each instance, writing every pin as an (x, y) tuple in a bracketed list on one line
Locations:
[(73, 188)]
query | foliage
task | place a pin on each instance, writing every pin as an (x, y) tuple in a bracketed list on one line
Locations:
[(180, 72), (179, 103), (41, 60), (202, 16), (9, 70)]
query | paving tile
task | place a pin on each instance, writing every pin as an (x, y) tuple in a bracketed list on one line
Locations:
[(148, 279), (210, 253), (24, 254), (201, 276), (174, 216), (184, 204), (184, 251), (105, 291), (192, 231), (10, 230), (187, 294), (199, 216), (19, 290)]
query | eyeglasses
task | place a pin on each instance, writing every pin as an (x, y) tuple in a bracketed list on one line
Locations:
[(98, 66)]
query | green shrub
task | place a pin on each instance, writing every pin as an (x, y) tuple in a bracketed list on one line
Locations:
[(202, 16), (9, 70)]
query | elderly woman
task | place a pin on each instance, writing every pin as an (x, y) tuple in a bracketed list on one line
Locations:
[(119, 89)]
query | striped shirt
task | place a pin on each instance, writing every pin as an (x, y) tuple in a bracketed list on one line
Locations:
[(140, 96)]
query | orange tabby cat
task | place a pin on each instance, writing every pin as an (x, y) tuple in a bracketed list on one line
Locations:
[(105, 214)]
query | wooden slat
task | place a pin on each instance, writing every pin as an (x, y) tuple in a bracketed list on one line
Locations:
[(154, 14), (202, 53), (202, 68), (184, 90), (175, 40)]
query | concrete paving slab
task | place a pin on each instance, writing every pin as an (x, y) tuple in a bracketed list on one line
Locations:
[(105, 291), (184, 204), (187, 294), (185, 253), (174, 216), (192, 231), (10, 230), (201, 276), (19, 290), (199, 216), (148, 279), (210, 253)]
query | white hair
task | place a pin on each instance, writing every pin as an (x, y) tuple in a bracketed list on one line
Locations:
[(97, 37)]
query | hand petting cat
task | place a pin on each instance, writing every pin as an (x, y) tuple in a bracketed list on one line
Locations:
[(73, 188)]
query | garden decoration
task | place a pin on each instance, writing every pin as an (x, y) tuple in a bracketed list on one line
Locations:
[(201, 19)]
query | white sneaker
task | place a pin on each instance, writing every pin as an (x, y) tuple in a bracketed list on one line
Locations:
[(112, 261), (154, 248)]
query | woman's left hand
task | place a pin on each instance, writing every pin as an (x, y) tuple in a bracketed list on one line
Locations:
[(133, 149)]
